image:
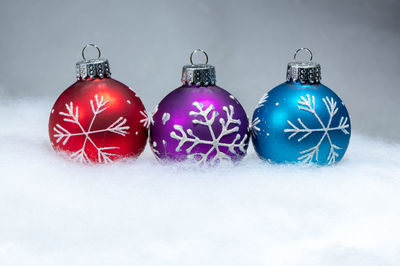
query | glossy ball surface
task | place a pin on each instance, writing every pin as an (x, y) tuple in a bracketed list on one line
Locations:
[(98, 121), (297, 122), (205, 124)]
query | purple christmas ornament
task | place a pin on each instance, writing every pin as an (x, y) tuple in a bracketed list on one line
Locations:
[(199, 121)]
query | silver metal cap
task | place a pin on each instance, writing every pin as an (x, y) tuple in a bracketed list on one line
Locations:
[(198, 74), (303, 71), (92, 68)]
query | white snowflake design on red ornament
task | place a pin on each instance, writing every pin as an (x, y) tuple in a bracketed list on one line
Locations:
[(146, 120), (72, 116), (215, 144), (308, 105)]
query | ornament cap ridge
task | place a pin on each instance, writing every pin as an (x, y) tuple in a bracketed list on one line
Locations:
[(198, 74), (92, 68), (303, 71)]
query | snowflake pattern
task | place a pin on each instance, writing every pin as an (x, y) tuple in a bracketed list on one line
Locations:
[(254, 129), (155, 110), (215, 144), (262, 101), (308, 104), (72, 116), (146, 120)]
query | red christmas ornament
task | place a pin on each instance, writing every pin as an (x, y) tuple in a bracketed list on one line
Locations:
[(98, 119)]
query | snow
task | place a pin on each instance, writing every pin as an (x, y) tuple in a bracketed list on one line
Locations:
[(141, 212)]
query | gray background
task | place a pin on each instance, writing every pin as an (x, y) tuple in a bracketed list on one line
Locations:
[(250, 42)]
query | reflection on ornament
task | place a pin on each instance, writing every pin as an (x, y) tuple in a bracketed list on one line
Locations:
[(146, 120)]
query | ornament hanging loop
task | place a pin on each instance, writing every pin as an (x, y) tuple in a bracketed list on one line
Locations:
[(303, 71), (94, 67), (90, 45), (301, 49), (198, 51)]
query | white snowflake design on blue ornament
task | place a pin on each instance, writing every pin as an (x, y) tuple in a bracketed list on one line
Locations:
[(254, 129), (262, 101), (308, 104), (215, 144)]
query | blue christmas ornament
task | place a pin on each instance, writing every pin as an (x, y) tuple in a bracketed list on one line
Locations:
[(301, 120)]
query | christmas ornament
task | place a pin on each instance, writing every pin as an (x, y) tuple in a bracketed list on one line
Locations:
[(301, 120), (199, 120), (98, 119)]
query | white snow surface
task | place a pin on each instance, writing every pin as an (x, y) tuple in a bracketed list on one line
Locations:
[(141, 212)]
